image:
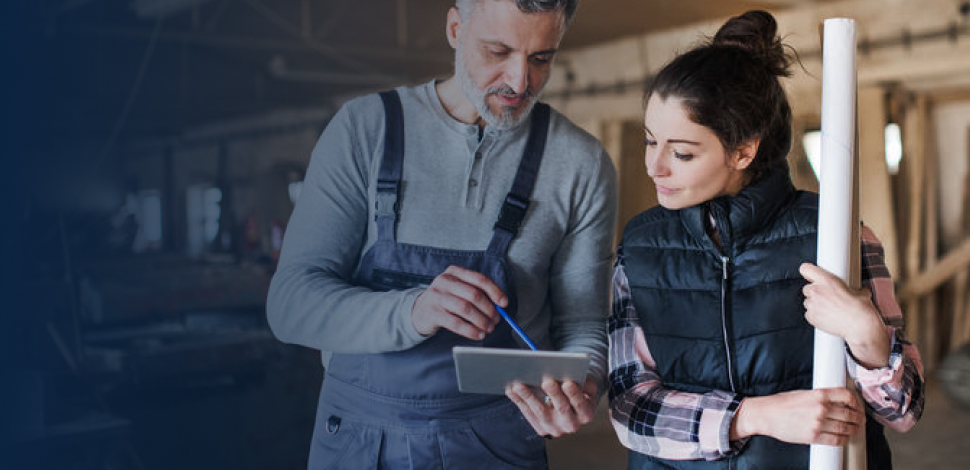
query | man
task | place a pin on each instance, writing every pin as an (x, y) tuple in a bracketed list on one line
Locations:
[(424, 208)]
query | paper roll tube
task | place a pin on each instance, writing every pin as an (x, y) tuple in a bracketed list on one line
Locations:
[(836, 183)]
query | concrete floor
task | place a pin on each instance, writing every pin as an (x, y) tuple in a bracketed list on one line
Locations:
[(940, 441), (267, 425)]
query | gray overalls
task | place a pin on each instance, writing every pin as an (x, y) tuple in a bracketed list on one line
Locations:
[(402, 410)]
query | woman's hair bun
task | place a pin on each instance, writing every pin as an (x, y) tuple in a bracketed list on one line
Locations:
[(756, 32)]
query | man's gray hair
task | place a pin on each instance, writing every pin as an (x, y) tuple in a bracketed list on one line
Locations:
[(567, 7)]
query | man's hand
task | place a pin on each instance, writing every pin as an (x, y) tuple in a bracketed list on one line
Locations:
[(835, 309), (822, 416), (568, 406), (458, 300)]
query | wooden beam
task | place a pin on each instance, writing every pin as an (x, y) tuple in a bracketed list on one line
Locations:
[(930, 162), (949, 265), (961, 307), (231, 41), (913, 165), (637, 192), (598, 68), (966, 328), (786, 3), (943, 95), (876, 209)]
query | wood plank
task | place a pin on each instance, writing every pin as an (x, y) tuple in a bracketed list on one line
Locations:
[(637, 192), (931, 197), (913, 166), (959, 308), (966, 326), (854, 457), (955, 260), (876, 209), (623, 140), (609, 133)]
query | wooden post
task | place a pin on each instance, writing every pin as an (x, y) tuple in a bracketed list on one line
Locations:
[(960, 331), (637, 192), (948, 266), (855, 450), (916, 175), (930, 197), (876, 209)]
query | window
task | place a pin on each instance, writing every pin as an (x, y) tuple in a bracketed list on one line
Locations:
[(149, 220), (812, 143), (203, 210), (294, 189)]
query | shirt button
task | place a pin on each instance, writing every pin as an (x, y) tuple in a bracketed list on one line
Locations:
[(478, 155), (473, 183)]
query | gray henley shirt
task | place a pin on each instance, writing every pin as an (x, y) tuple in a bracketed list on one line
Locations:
[(454, 181)]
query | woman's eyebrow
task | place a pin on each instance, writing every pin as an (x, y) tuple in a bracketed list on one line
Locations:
[(673, 141)]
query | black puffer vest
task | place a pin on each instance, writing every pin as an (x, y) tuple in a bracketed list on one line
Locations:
[(730, 320)]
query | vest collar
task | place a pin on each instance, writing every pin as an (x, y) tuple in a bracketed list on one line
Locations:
[(740, 216)]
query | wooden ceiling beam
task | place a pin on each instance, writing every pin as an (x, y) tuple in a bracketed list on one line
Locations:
[(442, 56)]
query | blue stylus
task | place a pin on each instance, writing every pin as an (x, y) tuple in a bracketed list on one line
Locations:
[(515, 326)]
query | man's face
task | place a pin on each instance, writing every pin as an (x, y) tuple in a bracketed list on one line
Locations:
[(503, 57)]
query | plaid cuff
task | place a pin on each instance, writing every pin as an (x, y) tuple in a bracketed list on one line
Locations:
[(714, 424), (875, 377)]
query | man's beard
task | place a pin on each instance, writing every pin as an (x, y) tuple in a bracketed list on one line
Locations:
[(508, 119)]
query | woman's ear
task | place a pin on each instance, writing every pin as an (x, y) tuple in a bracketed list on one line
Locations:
[(744, 155)]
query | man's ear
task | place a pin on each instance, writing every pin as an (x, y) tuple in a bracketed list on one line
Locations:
[(745, 154), (453, 27)]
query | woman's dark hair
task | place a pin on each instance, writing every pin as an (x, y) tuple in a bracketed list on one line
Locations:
[(730, 85)]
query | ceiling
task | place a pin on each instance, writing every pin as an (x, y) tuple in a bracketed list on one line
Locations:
[(134, 69)]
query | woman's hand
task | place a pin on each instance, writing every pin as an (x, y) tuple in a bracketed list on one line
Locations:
[(823, 416), (567, 408), (832, 307)]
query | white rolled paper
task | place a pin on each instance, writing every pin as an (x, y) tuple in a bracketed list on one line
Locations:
[(836, 180)]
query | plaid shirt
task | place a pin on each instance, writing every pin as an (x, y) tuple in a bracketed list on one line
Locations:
[(662, 422)]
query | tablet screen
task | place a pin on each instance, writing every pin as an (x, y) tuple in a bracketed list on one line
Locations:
[(488, 370)]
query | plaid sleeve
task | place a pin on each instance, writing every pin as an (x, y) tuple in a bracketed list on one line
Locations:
[(893, 394), (649, 418)]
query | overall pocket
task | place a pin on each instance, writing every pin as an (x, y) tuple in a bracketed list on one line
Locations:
[(504, 442), (338, 444)]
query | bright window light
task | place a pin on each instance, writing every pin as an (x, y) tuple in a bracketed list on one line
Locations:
[(212, 197), (150, 217), (812, 143), (203, 211), (894, 147), (295, 188)]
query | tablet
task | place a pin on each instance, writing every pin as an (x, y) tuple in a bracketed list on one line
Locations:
[(489, 370)]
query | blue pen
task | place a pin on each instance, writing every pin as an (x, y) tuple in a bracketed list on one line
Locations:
[(515, 327)]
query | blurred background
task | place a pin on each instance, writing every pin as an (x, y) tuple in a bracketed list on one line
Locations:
[(153, 149)]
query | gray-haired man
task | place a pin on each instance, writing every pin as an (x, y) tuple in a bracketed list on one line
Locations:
[(422, 209)]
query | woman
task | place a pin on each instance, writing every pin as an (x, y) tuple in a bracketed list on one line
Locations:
[(715, 298)]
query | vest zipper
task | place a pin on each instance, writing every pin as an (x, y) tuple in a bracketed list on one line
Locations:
[(724, 331)]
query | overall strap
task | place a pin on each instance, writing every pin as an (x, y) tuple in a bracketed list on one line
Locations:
[(389, 178), (517, 201)]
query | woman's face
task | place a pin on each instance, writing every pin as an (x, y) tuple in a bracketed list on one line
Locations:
[(686, 160)]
